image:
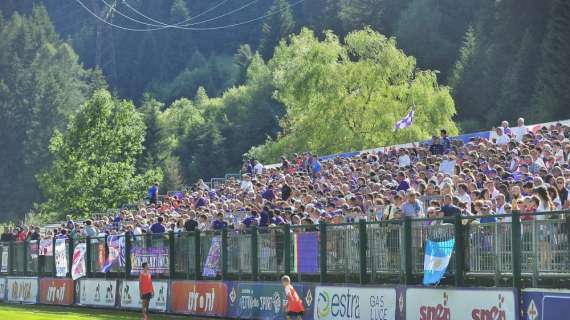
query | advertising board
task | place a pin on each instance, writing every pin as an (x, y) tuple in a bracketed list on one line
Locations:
[(206, 298), (22, 290), (96, 292), (333, 302), (56, 291), (543, 304), (130, 297), (474, 304)]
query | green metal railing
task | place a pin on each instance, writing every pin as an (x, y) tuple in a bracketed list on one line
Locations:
[(516, 252)]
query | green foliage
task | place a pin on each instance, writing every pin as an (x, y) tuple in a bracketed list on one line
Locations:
[(94, 167), (343, 96), (41, 83), (278, 25)]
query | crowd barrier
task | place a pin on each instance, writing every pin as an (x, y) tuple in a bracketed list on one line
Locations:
[(267, 300)]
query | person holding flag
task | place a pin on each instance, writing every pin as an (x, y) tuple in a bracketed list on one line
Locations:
[(295, 307), (146, 289)]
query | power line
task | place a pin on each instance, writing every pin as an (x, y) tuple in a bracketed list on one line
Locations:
[(185, 28), (179, 23)]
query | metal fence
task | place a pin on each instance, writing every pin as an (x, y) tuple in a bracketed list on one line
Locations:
[(379, 252)]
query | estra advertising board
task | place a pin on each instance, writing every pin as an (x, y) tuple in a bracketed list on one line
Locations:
[(130, 297), (355, 303), (22, 289), (56, 291), (2, 288), (544, 304), (205, 298), (461, 304), (96, 292)]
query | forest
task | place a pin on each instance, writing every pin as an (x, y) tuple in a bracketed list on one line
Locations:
[(100, 98)]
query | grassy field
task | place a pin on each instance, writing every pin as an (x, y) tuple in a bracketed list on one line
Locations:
[(35, 312)]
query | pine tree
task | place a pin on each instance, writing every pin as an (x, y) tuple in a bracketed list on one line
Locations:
[(277, 26), (552, 99)]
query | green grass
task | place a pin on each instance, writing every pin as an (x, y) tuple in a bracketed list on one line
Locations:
[(36, 312)]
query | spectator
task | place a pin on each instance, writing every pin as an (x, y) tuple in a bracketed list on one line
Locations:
[(257, 168), (158, 227), (153, 193), (436, 147), (445, 142), (412, 207), (520, 130), (219, 223)]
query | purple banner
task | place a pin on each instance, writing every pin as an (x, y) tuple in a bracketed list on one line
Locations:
[(306, 246), (157, 258), (212, 264)]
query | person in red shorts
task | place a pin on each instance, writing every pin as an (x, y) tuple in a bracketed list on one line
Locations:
[(295, 307), (146, 290)]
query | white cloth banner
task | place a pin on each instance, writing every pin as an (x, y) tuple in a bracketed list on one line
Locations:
[(60, 258), (78, 268)]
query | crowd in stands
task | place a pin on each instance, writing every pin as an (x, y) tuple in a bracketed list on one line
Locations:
[(516, 170)]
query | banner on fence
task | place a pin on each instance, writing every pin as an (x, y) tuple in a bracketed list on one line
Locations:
[(78, 267), (2, 288), (4, 259), (251, 300), (212, 264), (60, 258), (130, 295), (355, 303), (46, 247), (33, 249), (204, 298), (116, 258), (305, 252), (436, 260), (544, 304), (56, 291), (157, 258), (96, 292), (22, 289), (475, 304)]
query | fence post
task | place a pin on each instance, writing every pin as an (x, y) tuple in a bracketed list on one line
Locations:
[(54, 271), (407, 250), (568, 238), (41, 260), (70, 256), (197, 258), (254, 254), (323, 250), (459, 251), (11, 258), (25, 251), (171, 254), (88, 256), (516, 249), (363, 241), (128, 244), (286, 249), (224, 254)]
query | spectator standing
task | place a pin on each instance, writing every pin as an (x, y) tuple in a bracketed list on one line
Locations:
[(153, 193), (158, 227), (436, 148), (520, 130), (412, 207)]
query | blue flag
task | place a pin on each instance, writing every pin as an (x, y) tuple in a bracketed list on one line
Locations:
[(437, 256)]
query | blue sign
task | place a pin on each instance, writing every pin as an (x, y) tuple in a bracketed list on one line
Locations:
[(546, 304)]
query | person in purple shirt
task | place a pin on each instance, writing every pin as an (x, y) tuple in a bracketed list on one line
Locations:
[(268, 194), (219, 223), (158, 227), (277, 219), (402, 182)]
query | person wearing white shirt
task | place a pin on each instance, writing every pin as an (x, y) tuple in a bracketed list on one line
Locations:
[(520, 130), (463, 196), (501, 138), (258, 168), (404, 159), (246, 185), (447, 166)]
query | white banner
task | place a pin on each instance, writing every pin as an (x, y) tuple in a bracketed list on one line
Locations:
[(355, 303), (4, 258), (2, 288), (130, 295), (22, 290), (424, 304), (97, 292), (60, 258), (78, 268)]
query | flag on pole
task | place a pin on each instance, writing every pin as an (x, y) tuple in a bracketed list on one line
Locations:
[(437, 256), (406, 121)]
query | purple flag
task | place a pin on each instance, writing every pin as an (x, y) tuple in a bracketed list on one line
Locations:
[(405, 121)]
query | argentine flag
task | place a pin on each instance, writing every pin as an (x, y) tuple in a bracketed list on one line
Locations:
[(436, 259)]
